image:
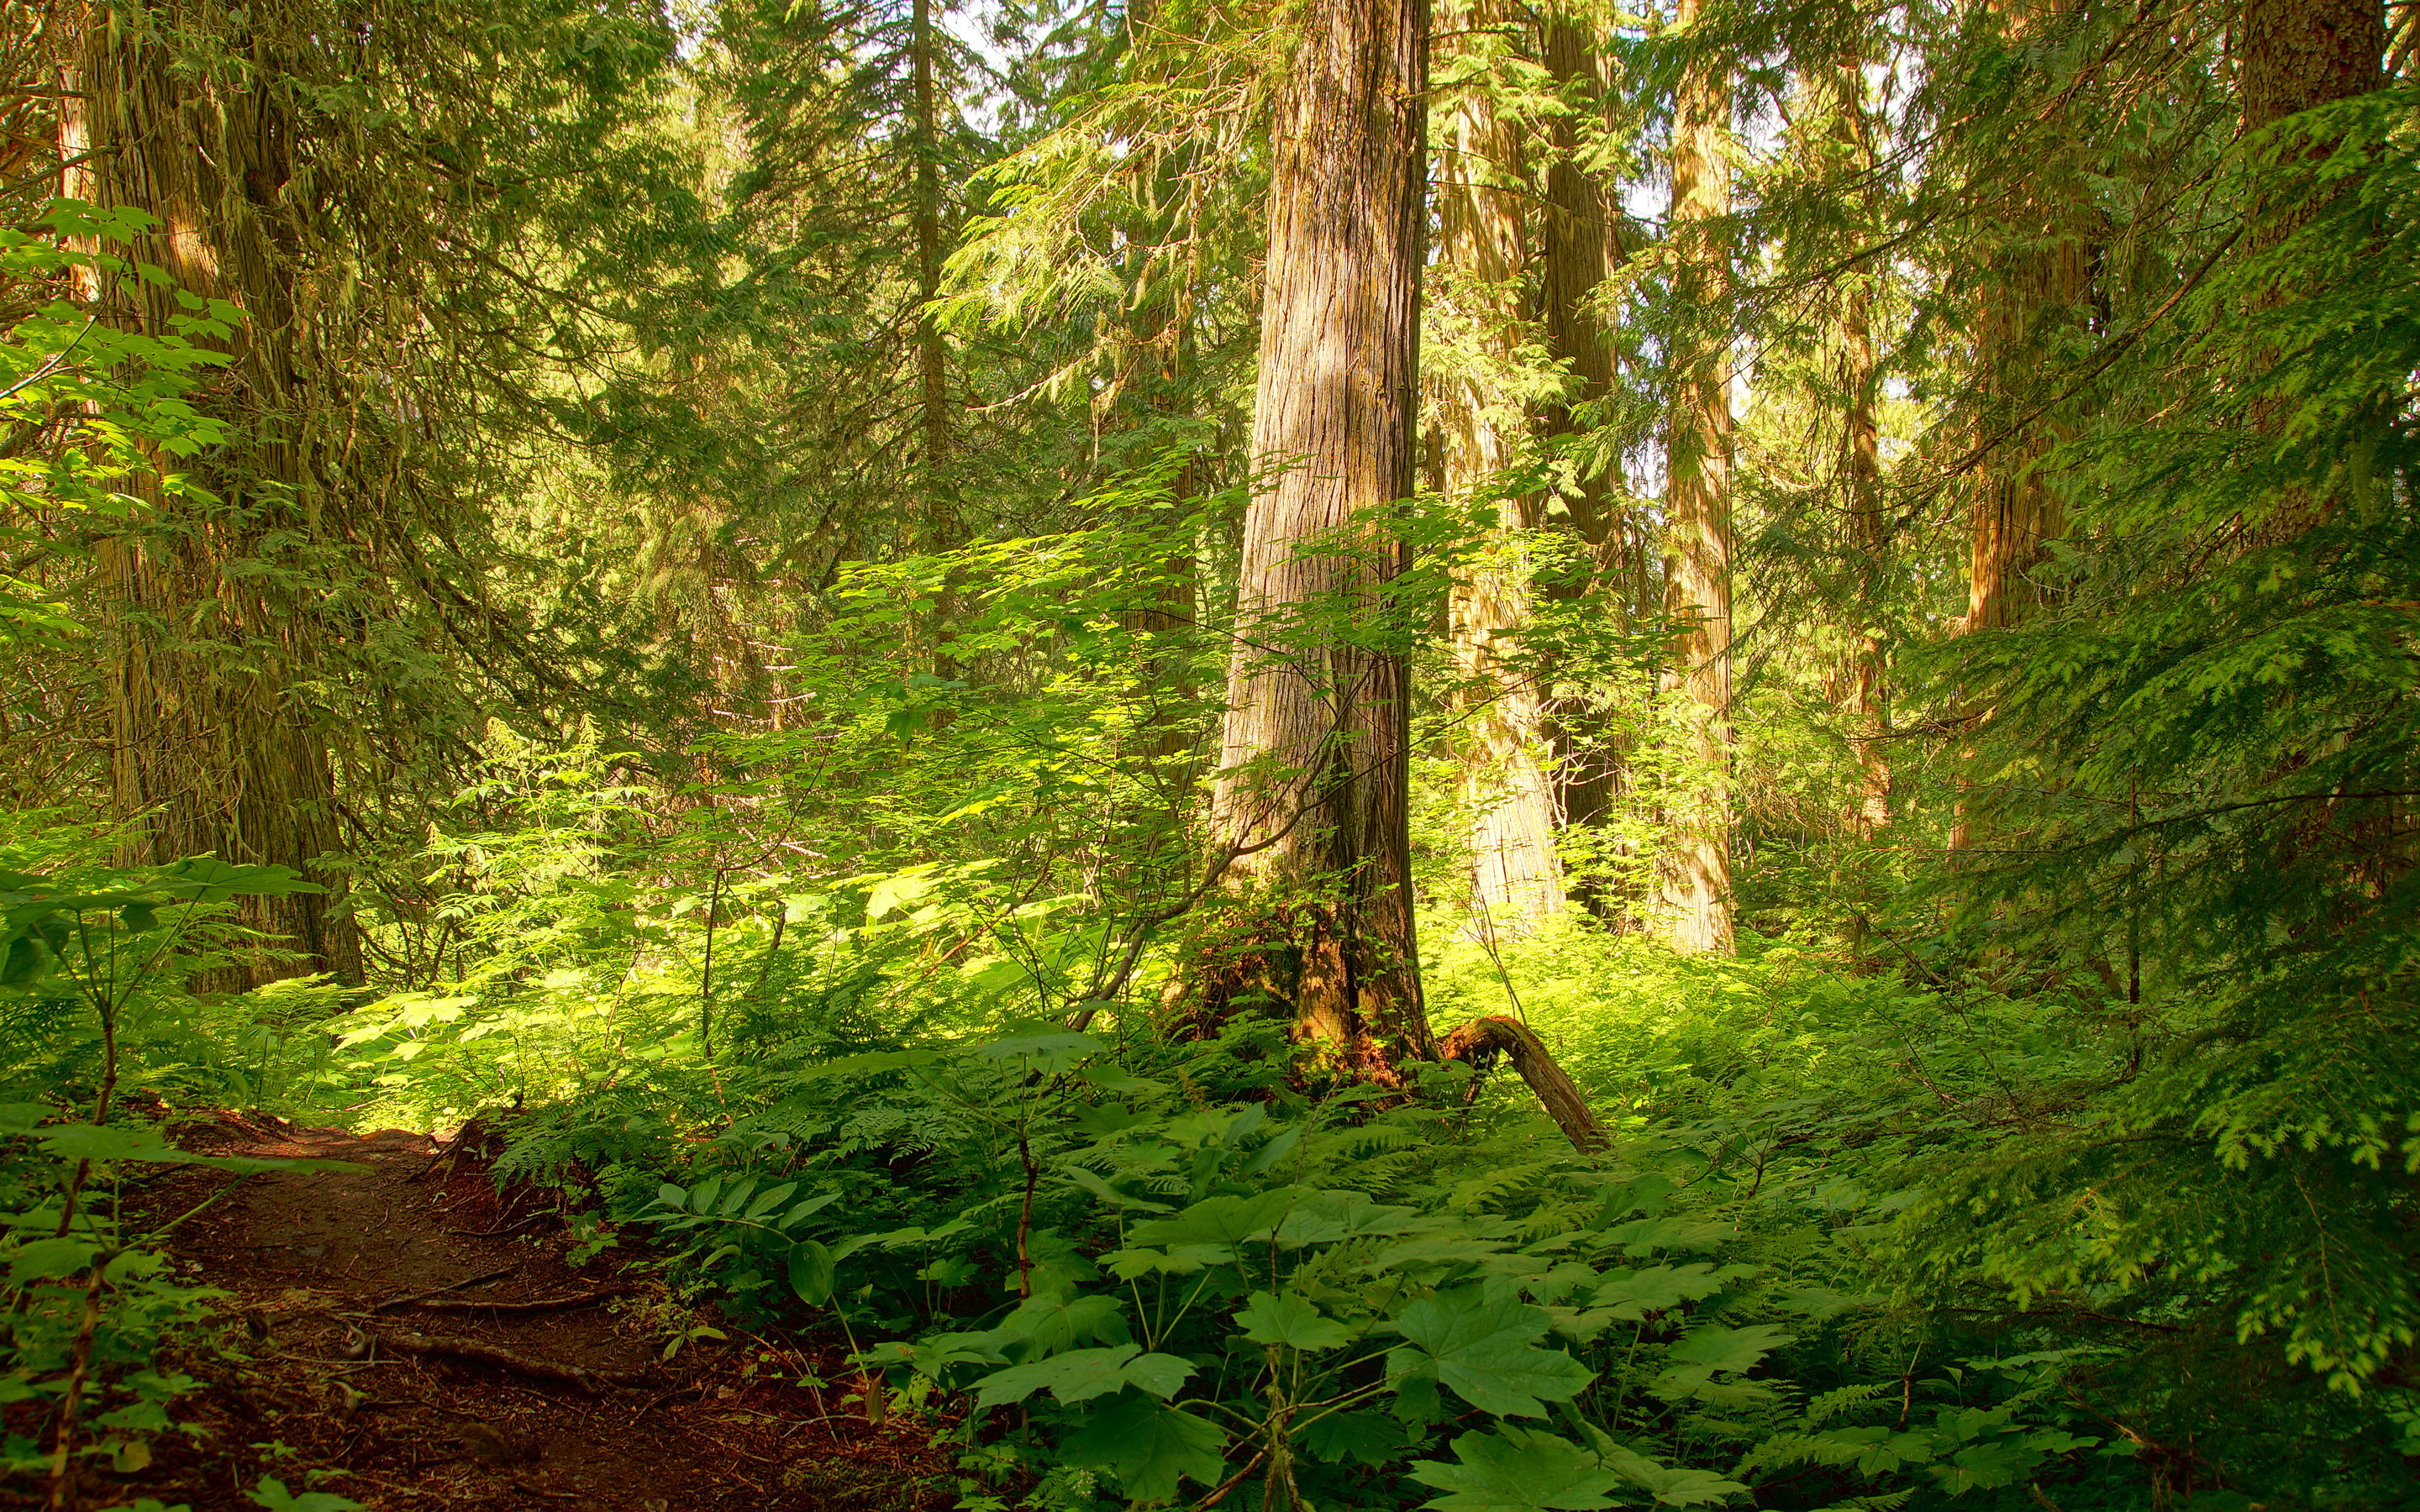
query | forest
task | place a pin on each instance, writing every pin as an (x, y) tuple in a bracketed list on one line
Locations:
[(1343, 755)]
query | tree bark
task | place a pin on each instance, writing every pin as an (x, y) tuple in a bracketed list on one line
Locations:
[(1310, 798), (216, 744), (1581, 246), (2035, 277), (1481, 1042), (1861, 473), (1503, 746), (2297, 53), (1695, 886)]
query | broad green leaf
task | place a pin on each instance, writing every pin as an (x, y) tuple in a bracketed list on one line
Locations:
[(1670, 1485), (1482, 1342), (1092, 1182), (1633, 1294), (1643, 1236), (1080, 1375), (273, 1496), (1051, 1049), (1351, 1438), (1291, 1321), (768, 1201), (1225, 1220), (1517, 1469), (47, 1260), (1706, 1352), (1150, 1445), (811, 1272), (1056, 1321)]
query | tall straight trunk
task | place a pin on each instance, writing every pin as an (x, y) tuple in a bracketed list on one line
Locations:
[(1581, 246), (1861, 473), (1311, 801), (932, 370), (1694, 885), (216, 747), (2296, 54), (2033, 282), (1516, 878), (2035, 278)]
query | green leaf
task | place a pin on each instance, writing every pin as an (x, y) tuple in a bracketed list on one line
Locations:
[(1482, 1342), (1703, 1352), (23, 962), (1328, 1217), (1080, 1375), (1351, 1438), (47, 1260), (1633, 1294), (675, 1197), (1051, 1050), (1291, 1321), (1517, 1469), (768, 1201), (1671, 1487), (811, 1272), (1150, 1445), (273, 1496), (1226, 1220), (1054, 1321)]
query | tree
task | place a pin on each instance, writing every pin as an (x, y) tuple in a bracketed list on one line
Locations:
[(1695, 884), (1314, 773), (1505, 749)]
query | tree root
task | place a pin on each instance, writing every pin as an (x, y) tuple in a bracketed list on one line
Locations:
[(462, 1348), (537, 1305)]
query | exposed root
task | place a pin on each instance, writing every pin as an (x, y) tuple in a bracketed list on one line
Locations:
[(526, 1364)]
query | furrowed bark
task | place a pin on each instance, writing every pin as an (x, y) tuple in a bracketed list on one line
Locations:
[(1316, 705), (216, 742)]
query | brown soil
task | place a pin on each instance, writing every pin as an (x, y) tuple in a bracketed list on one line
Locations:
[(316, 1379)]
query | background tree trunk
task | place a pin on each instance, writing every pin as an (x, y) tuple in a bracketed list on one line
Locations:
[(1861, 472), (1314, 765), (1516, 877), (1581, 244), (1695, 888)]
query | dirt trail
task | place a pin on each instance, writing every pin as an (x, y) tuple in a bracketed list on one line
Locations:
[(420, 1343)]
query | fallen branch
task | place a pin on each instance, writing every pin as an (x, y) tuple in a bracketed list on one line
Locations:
[(513, 1360), (1479, 1040)]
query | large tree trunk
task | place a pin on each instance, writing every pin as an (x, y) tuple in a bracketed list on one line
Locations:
[(1695, 888), (1516, 878), (1315, 760), (217, 747), (2297, 53)]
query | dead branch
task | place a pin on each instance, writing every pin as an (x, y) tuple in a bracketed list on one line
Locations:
[(1481, 1039)]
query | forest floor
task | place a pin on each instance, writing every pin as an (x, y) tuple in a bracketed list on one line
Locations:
[(404, 1337)]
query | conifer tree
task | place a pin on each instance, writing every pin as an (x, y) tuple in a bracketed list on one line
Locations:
[(1695, 879)]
